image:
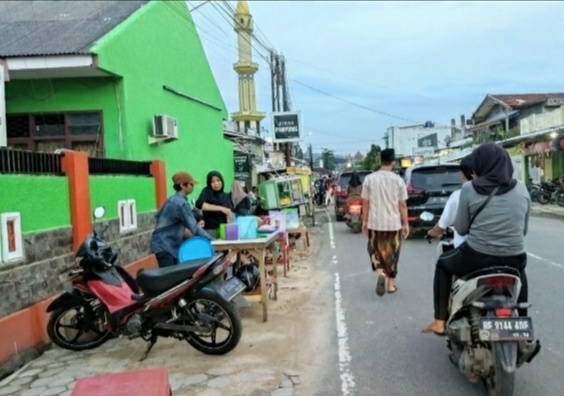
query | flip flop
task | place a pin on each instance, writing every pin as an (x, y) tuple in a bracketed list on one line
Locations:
[(381, 285), (428, 330), (395, 289)]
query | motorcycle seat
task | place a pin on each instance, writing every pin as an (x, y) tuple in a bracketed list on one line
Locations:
[(491, 270), (161, 279)]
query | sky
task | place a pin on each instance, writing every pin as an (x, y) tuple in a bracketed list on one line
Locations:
[(402, 63)]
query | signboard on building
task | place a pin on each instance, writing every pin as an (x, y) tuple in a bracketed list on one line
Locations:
[(286, 127), (423, 151), (428, 141), (243, 168)]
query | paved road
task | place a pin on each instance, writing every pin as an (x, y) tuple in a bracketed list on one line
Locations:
[(378, 348)]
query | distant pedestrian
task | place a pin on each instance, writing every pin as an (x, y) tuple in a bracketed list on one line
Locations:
[(384, 213)]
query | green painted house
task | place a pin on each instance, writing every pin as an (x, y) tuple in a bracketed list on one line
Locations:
[(119, 79)]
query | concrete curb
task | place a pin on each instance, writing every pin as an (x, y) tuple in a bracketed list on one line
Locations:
[(547, 215)]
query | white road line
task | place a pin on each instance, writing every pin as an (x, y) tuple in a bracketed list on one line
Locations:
[(347, 379), (554, 264)]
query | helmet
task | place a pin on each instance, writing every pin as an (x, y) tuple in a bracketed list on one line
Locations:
[(96, 252), (249, 275)]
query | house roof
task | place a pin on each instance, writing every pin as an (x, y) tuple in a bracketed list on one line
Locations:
[(511, 102), (43, 28), (524, 100)]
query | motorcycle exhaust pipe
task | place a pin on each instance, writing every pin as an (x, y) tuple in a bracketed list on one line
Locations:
[(175, 327)]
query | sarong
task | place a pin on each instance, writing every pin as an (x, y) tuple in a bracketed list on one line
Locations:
[(384, 251)]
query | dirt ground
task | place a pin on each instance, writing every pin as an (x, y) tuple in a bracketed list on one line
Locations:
[(280, 357)]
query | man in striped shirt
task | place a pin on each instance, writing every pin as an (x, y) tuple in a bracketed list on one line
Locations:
[(384, 213)]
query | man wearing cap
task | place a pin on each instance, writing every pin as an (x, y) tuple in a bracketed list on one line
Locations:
[(384, 220), (172, 221)]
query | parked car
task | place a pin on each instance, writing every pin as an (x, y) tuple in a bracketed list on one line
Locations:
[(341, 193), (428, 189)]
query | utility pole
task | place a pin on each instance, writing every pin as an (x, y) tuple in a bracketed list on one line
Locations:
[(285, 105)]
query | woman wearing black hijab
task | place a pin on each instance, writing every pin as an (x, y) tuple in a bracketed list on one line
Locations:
[(354, 188), (215, 203), (495, 235)]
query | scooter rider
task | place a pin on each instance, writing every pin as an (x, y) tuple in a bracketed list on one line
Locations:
[(173, 219), (451, 207)]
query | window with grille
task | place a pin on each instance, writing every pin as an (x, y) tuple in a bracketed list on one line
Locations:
[(47, 132)]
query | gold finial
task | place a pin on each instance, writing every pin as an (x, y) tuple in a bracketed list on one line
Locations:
[(243, 8)]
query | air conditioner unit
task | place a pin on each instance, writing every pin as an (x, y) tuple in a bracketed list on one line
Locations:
[(165, 127)]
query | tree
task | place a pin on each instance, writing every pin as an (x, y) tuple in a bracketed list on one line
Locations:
[(298, 151), (372, 159), (328, 158)]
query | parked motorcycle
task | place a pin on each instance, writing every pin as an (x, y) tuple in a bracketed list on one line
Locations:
[(354, 215), (319, 193), (551, 192), (189, 302), (487, 338)]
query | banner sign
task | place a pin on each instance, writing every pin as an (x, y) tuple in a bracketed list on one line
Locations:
[(286, 127)]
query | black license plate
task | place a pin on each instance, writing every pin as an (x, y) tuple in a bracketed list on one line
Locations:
[(506, 329), (230, 288)]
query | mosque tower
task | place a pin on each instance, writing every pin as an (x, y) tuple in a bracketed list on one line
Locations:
[(247, 116)]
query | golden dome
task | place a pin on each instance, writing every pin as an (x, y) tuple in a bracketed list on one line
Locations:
[(243, 8)]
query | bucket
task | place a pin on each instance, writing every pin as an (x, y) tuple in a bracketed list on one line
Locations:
[(195, 248)]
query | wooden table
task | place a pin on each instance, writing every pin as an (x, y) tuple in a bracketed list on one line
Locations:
[(257, 248), (304, 235)]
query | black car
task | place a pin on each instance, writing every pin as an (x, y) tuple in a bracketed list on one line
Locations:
[(428, 189), (341, 193)]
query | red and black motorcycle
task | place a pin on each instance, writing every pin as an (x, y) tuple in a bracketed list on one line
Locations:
[(190, 302)]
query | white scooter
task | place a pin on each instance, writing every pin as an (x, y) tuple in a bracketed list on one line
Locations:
[(487, 338)]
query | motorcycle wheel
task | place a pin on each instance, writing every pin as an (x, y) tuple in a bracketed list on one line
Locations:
[(501, 382), (560, 199), (220, 311), (81, 324), (543, 197)]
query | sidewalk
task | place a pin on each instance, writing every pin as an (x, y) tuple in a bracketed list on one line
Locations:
[(550, 210), (268, 361)]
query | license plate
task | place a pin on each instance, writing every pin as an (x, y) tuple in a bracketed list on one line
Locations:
[(438, 199), (230, 288), (506, 329)]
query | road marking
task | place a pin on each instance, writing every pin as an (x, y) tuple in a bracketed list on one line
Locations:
[(347, 379), (554, 264)]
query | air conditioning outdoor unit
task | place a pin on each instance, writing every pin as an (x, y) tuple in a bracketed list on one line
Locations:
[(165, 127)]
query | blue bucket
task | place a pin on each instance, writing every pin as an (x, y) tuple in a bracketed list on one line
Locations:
[(195, 248)]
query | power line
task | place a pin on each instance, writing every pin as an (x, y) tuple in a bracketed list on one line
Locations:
[(354, 103)]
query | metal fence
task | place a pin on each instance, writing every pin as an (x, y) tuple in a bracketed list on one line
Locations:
[(22, 162), (30, 162), (103, 166)]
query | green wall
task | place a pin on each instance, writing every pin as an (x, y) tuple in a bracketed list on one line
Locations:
[(43, 201), (108, 190), (156, 46), (70, 94)]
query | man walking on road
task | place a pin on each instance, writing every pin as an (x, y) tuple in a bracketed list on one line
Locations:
[(384, 220)]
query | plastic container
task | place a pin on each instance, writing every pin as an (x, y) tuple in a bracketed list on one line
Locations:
[(231, 232), (247, 227)]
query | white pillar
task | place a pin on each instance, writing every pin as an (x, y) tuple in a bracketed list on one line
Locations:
[(3, 131)]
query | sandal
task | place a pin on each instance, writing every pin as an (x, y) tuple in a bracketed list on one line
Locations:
[(381, 285), (429, 329), (395, 289)]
